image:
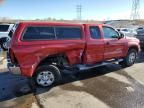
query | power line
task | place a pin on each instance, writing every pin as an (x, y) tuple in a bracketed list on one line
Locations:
[(135, 10), (79, 12)]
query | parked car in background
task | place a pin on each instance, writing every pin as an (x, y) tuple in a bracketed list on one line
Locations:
[(140, 28), (4, 38), (11, 32), (41, 50), (127, 31), (140, 36)]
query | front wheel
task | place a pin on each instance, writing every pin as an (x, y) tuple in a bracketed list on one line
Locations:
[(47, 75), (130, 59), (4, 46)]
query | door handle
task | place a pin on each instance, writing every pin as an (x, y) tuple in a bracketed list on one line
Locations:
[(107, 43)]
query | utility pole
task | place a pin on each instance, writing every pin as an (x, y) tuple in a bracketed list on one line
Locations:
[(135, 10), (79, 12)]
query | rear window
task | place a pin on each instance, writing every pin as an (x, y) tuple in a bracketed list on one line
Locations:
[(51, 33), (39, 33), (4, 28)]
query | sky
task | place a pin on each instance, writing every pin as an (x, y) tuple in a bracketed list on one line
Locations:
[(66, 9)]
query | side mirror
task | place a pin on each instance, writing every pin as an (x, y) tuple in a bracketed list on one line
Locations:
[(121, 35)]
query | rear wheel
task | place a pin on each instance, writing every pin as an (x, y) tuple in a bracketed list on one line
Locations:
[(130, 59), (47, 75)]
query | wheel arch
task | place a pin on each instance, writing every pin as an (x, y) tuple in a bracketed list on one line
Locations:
[(133, 47), (55, 59)]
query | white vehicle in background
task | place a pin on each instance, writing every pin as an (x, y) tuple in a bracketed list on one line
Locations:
[(4, 38), (128, 32)]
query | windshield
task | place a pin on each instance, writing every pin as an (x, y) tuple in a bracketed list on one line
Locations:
[(126, 30)]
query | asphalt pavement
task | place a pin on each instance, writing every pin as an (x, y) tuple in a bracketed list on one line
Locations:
[(105, 87)]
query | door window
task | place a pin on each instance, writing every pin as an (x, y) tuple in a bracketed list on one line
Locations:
[(110, 33)]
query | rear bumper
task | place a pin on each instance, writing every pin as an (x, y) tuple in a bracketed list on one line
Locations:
[(14, 69)]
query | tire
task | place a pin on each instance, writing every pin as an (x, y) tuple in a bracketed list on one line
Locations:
[(130, 59), (47, 75), (4, 46)]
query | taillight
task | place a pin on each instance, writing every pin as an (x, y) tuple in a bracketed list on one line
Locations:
[(11, 55)]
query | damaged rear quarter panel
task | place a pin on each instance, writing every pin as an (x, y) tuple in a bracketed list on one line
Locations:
[(30, 54)]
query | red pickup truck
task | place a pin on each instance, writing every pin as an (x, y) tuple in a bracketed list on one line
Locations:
[(40, 50)]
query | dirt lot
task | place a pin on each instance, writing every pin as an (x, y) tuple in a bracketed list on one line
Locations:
[(103, 87)]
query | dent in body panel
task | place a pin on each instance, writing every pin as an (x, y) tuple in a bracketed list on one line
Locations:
[(74, 56), (30, 56), (94, 55)]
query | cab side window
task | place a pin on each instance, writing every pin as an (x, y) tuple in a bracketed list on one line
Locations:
[(110, 33), (95, 32)]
